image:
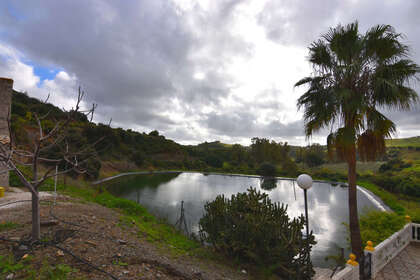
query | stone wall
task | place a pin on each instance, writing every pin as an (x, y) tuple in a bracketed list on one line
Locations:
[(6, 89)]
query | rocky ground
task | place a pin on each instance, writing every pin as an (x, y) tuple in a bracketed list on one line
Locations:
[(97, 244), (91, 239)]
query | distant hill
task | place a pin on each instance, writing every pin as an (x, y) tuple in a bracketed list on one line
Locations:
[(404, 142), (120, 149)]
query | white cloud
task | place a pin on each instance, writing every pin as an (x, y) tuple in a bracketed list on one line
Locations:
[(62, 89)]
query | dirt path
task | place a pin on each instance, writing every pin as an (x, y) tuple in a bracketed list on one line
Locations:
[(94, 233)]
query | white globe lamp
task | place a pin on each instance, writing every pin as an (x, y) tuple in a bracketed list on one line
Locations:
[(304, 181)]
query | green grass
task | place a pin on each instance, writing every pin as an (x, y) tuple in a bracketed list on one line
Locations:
[(404, 142), (402, 205), (8, 265), (362, 167), (24, 269), (388, 198), (7, 226)]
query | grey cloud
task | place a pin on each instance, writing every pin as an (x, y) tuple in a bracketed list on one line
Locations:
[(132, 58), (242, 124), (297, 21), (137, 58)]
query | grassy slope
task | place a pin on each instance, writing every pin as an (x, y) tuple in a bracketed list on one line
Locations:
[(404, 142)]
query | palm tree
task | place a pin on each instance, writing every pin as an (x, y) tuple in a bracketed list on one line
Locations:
[(354, 77)]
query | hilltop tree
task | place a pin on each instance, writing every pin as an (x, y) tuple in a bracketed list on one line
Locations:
[(354, 76), (263, 150)]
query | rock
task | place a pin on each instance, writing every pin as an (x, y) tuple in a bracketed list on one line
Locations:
[(49, 223), (60, 253), (158, 275), (243, 271), (10, 276), (122, 242), (90, 243), (126, 272), (23, 248), (198, 275)]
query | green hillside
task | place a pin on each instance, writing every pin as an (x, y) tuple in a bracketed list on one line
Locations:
[(404, 142), (124, 150)]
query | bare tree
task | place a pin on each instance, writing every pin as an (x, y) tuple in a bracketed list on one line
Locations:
[(43, 142)]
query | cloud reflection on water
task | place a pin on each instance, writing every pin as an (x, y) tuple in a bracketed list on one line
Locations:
[(327, 205)]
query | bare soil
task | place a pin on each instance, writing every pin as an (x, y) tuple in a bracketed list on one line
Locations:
[(94, 234)]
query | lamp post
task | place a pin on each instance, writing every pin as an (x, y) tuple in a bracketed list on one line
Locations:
[(304, 181)]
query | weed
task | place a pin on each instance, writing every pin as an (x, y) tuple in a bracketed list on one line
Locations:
[(8, 225), (58, 272), (8, 265)]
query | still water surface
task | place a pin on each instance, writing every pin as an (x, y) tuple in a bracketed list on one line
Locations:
[(162, 194)]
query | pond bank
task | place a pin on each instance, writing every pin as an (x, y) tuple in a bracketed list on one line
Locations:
[(370, 195)]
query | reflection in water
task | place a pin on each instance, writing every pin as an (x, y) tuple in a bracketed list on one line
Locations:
[(268, 183), (162, 195)]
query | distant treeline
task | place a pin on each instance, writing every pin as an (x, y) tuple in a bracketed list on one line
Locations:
[(147, 150), (153, 151)]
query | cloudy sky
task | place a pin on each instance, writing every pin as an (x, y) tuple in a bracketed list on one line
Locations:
[(194, 70)]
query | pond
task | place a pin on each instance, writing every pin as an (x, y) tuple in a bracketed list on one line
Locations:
[(162, 194)]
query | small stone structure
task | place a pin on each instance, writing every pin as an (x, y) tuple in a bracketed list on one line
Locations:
[(6, 89)]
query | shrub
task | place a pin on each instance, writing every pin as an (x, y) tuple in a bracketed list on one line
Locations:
[(376, 226), (398, 184), (289, 168), (267, 169), (252, 229), (138, 158)]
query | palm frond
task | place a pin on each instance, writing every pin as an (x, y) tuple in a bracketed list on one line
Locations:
[(354, 75), (303, 81), (370, 145), (320, 55), (382, 43)]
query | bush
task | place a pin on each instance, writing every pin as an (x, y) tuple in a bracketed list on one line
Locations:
[(289, 168), (252, 229), (138, 158), (267, 169), (376, 226), (398, 184)]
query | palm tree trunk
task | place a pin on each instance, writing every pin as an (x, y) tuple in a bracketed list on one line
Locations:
[(356, 239)]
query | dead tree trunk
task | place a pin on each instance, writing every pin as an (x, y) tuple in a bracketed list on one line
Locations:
[(36, 222)]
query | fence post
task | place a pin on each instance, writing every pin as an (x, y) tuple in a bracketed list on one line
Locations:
[(355, 267), (368, 260)]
